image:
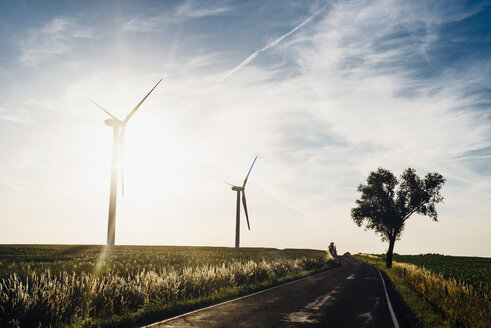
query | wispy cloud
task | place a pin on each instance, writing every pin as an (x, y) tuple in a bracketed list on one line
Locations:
[(271, 44), (190, 9), (19, 116), (55, 38), (374, 69)]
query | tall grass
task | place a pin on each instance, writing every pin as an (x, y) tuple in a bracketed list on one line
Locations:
[(460, 303), (65, 298)]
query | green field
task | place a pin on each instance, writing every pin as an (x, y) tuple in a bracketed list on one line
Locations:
[(474, 271), (99, 286)]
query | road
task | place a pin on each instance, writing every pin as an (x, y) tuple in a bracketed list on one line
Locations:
[(351, 295)]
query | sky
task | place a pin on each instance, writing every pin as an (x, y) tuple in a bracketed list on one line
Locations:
[(324, 92)]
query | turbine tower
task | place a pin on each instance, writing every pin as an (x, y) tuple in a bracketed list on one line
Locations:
[(118, 141), (239, 190)]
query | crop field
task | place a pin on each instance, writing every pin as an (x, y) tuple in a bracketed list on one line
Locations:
[(457, 287), (473, 271), (99, 286)]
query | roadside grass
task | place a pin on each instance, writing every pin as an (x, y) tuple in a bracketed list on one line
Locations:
[(436, 302), (424, 311), (126, 286), (155, 312)]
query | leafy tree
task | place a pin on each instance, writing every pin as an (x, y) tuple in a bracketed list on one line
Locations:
[(332, 249), (385, 208)]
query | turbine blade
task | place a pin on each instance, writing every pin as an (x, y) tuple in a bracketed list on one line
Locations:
[(114, 117), (245, 209), (230, 184), (247, 176), (121, 159), (137, 106)]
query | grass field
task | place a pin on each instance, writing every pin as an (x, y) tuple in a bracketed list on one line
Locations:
[(98, 286), (443, 291)]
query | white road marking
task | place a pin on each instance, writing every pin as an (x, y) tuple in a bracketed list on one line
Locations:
[(306, 315), (300, 317), (319, 302), (392, 314), (352, 276), (367, 315)]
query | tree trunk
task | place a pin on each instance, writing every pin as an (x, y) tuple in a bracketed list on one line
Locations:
[(388, 262)]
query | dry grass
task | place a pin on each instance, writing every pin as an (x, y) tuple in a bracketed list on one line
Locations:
[(459, 302), (72, 298)]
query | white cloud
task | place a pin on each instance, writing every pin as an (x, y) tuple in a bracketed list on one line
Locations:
[(19, 116), (151, 22), (55, 38), (192, 9)]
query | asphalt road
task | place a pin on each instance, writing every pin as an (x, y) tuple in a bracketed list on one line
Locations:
[(351, 295)]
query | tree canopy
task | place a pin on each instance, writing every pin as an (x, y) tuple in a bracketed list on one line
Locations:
[(386, 202)]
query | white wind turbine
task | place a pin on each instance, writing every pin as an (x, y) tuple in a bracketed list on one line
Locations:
[(118, 141), (239, 190)]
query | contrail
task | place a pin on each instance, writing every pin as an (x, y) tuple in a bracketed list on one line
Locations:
[(270, 45)]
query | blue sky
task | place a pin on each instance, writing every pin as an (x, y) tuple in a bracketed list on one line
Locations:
[(323, 91)]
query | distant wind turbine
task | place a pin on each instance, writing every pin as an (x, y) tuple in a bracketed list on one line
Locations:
[(118, 141), (239, 189)]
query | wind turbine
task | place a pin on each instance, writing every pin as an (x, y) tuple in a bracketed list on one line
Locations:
[(239, 190), (118, 141)]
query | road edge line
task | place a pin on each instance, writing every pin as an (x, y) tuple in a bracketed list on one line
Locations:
[(392, 314), (233, 300)]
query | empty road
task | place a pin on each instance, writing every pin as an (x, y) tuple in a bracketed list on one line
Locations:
[(351, 295)]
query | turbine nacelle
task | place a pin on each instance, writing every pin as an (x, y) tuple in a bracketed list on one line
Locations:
[(237, 188), (115, 123)]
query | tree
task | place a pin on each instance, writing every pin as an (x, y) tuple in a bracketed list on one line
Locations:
[(332, 249), (385, 209)]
